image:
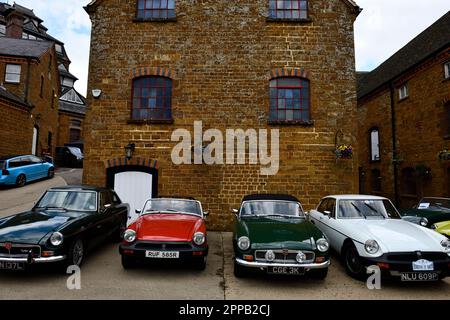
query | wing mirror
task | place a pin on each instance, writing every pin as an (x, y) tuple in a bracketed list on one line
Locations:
[(205, 213), (327, 213), (106, 207), (138, 211), (236, 212)]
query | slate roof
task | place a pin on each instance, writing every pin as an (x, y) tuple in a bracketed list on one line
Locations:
[(12, 97), (23, 48), (429, 42)]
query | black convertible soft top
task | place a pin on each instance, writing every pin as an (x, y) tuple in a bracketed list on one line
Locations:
[(281, 197)]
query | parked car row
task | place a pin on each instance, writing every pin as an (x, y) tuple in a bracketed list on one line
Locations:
[(273, 234), (21, 169)]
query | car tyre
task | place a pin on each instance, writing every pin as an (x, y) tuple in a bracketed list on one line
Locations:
[(21, 180), (239, 271), (319, 274), (353, 263), (200, 263), (51, 173), (128, 262), (75, 255), (117, 235)]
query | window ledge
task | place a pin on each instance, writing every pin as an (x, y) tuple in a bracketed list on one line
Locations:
[(291, 123), (446, 79), (155, 20), (291, 20), (151, 121), (403, 99)]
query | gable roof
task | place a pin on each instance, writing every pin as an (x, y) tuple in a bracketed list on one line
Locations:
[(431, 41), (23, 48)]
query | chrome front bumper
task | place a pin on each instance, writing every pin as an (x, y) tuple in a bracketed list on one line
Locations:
[(253, 264), (34, 260)]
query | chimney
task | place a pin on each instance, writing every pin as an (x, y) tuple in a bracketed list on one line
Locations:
[(14, 24)]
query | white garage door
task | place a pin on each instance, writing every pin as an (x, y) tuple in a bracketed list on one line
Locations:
[(134, 188)]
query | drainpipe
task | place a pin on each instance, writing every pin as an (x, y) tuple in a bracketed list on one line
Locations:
[(394, 144), (27, 84)]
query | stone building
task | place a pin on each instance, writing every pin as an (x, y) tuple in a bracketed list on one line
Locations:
[(404, 117), (159, 66), (71, 105)]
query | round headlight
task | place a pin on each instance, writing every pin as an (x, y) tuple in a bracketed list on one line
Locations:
[(301, 257), (129, 235), (244, 243), (322, 245), (56, 239), (199, 238), (372, 246), (433, 227), (446, 244), (424, 222), (270, 255)]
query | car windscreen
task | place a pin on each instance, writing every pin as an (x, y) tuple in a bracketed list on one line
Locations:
[(434, 204), (365, 209), (76, 151), (172, 206), (271, 208), (69, 200)]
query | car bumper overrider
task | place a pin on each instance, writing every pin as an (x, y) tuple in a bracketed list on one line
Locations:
[(31, 260), (256, 264)]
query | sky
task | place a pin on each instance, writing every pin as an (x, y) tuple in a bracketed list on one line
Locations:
[(383, 28)]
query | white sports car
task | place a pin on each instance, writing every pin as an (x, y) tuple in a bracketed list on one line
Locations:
[(368, 230)]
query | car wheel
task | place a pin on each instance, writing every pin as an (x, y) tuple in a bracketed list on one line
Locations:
[(75, 255), (239, 271), (51, 173), (319, 274), (117, 235), (200, 263), (128, 262), (21, 180), (353, 263)]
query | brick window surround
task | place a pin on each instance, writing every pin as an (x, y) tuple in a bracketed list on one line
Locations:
[(290, 98), (374, 144), (12, 73), (152, 98), (155, 10), (295, 10)]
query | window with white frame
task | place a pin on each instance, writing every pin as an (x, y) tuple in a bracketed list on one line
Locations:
[(71, 96), (58, 48), (403, 92), (12, 74), (374, 144), (447, 70), (67, 82)]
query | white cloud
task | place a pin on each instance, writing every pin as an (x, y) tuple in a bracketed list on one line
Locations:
[(385, 26), (68, 22)]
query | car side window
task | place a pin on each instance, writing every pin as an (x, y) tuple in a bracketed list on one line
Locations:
[(25, 161), (115, 198), (14, 163), (332, 208), (323, 206), (35, 160), (105, 198)]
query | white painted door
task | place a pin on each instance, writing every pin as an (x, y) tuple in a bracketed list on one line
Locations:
[(34, 145), (134, 188)]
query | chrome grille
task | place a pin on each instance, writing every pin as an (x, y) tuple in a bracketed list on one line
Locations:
[(285, 256), (19, 250)]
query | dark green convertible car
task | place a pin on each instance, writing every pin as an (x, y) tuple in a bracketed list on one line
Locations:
[(62, 226), (428, 212), (273, 235)]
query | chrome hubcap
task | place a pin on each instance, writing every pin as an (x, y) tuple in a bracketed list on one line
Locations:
[(78, 253)]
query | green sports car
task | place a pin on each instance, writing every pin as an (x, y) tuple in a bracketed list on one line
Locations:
[(272, 234), (428, 212)]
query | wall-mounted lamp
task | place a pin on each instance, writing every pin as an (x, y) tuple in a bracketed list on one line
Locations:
[(96, 93), (129, 150)]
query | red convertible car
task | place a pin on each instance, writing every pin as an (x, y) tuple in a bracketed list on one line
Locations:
[(167, 230)]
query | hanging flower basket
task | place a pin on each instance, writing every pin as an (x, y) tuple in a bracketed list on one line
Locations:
[(444, 155), (344, 152)]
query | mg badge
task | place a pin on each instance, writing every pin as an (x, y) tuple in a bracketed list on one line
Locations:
[(8, 245), (285, 252), (419, 254)]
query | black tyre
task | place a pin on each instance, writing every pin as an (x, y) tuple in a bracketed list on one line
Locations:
[(128, 262), (21, 180), (354, 266), (199, 263), (117, 235), (51, 173), (239, 271), (319, 274), (75, 255)]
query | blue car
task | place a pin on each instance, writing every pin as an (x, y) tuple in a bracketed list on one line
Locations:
[(18, 170)]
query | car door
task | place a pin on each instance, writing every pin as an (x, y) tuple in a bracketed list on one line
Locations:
[(324, 217), (107, 211), (28, 168), (39, 166)]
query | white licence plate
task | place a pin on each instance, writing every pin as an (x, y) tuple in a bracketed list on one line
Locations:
[(162, 254), (423, 265)]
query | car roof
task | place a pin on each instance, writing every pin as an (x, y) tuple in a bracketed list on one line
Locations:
[(10, 157), (80, 188), (355, 197), (281, 197), (175, 197), (435, 198)]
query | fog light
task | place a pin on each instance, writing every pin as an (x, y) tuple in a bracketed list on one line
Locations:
[(301, 257), (248, 258), (383, 265), (320, 259), (48, 253), (270, 256), (128, 251), (197, 253)]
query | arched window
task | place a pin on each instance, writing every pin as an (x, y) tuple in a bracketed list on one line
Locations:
[(408, 182), (152, 98), (374, 144), (289, 100), (288, 9), (375, 180)]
